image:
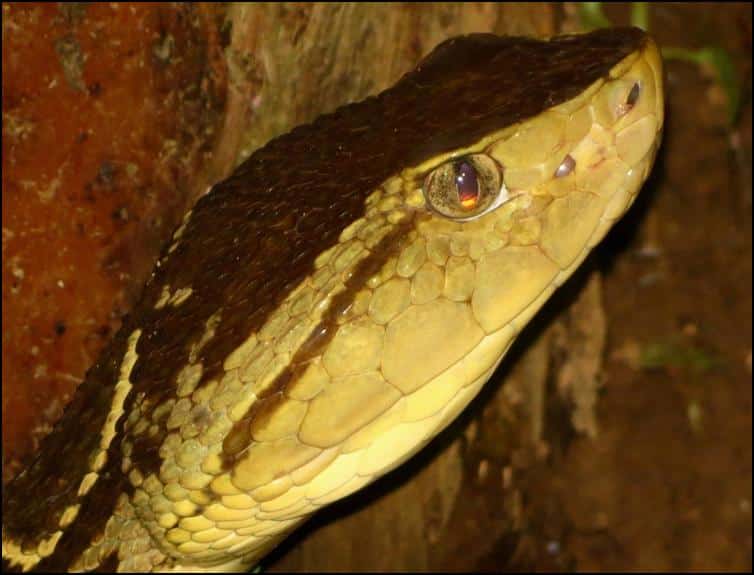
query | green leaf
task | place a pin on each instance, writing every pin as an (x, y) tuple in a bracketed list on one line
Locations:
[(720, 61), (640, 15), (671, 354), (592, 16)]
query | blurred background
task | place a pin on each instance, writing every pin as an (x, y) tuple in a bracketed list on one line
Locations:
[(617, 433)]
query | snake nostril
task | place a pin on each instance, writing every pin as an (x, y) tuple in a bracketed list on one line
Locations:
[(631, 99), (633, 96)]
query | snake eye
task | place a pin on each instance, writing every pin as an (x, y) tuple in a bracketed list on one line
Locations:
[(465, 188)]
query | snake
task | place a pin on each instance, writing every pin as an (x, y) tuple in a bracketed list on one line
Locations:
[(321, 314)]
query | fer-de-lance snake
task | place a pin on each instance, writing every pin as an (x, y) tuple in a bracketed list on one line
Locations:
[(324, 312)]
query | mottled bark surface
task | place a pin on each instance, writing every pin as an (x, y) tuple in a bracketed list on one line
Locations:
[(108, 116)]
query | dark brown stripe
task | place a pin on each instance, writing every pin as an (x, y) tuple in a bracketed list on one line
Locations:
[(34, 502), (90, 522), (262, 411), (109, 564)]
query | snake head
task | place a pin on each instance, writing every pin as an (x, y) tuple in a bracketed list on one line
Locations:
[(511, 217), (459, 251)]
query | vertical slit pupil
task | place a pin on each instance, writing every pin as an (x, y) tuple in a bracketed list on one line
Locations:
[(467, 184)]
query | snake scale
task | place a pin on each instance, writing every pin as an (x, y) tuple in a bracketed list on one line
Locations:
[(324, 312)]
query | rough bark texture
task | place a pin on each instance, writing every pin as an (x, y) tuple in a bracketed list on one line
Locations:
[(289, 63), (108, 115)]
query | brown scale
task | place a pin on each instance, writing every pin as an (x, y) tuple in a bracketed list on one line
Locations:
[(257, 234)]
